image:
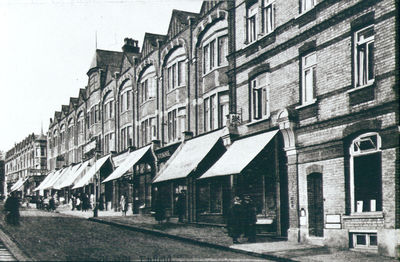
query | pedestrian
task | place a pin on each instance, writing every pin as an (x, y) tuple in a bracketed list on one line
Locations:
[(180, 205), (124, 205), (12, 210), (52, 204), (73, 202), (159, 209), (85, 202), (101, 202), (249, 219), (234, 220), (78, 202)]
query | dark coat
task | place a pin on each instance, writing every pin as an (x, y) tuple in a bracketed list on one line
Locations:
[(12, 207), (159, 209), (234, 221)]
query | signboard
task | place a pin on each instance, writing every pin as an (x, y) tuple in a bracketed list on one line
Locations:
[(333, 222)]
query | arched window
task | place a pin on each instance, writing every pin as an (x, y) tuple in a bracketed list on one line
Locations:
[(366, 173)]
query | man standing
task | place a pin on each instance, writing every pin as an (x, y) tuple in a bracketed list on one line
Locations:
[(249, 219), (12, 208), (234, 220)]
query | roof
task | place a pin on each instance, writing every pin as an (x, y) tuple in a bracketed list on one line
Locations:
[(106, 59), (179, 21), (239, 155)]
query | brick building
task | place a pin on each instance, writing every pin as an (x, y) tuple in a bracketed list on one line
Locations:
[(294, 103), (26, 164)]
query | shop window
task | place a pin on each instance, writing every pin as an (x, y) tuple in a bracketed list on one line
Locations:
[(252, 23), (364, 56), (259, 87), (268, 16), (209, 198), (366, 174), (308, 85), (307, 5)]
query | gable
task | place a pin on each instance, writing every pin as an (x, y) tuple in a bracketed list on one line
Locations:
[(207, 6), (179, 21)]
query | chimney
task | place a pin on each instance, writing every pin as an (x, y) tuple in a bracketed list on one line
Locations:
[(130, 45), (187, 135)]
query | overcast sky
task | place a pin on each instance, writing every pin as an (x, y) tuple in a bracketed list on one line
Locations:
[(46, 48)]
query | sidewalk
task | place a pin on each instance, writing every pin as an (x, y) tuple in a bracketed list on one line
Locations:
[(217, 237)]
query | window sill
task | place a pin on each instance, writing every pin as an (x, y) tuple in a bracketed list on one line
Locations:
[(303, 13), (355, 89), (378, 214), (257, 121), (175, 88), (312, 102), (148, 100), (214, 69)]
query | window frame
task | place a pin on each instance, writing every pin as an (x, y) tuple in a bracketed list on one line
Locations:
[(267, 5), (354, 153), (312, 67), (356, 62), (304, 8), (261, 103), (251, 23)]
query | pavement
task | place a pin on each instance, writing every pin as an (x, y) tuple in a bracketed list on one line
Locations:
[(214, 236)]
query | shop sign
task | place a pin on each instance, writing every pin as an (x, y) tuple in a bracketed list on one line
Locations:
[(333, 222), (162, 155)]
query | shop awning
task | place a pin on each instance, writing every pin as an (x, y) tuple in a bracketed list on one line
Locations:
[(56, 176), (188, 156), (239, 155), (129, 162), (91, 172), (74, 174), (46, 180), (118, 160), (67, 174), (18, 184)]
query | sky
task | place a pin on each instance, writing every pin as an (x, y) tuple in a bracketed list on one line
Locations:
[(46, 48)]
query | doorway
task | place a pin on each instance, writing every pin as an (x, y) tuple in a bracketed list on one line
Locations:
[(315, 205)]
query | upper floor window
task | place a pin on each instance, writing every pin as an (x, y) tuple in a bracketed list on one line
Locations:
[(148, 130), (307, 5), (259, 87), (309, 65), (214, 54), (252, 23), (108, 143), (268, 16), (366, 173), (108, 112), (148, 89), (176, 75), (215, 111), (364, 56), (125, 101), (126, 137)]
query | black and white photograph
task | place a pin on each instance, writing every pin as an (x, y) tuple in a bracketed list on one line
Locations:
[(200, 130)]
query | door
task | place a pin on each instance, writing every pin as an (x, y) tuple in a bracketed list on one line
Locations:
[(315, 205)]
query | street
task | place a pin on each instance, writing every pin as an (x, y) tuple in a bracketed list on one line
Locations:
[(52, 236)]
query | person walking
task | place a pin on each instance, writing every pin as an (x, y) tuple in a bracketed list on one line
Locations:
[(249, 219), (158, 208), (52, 204), (124, 205), (180, 205), (12, 210), (234, 220)]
